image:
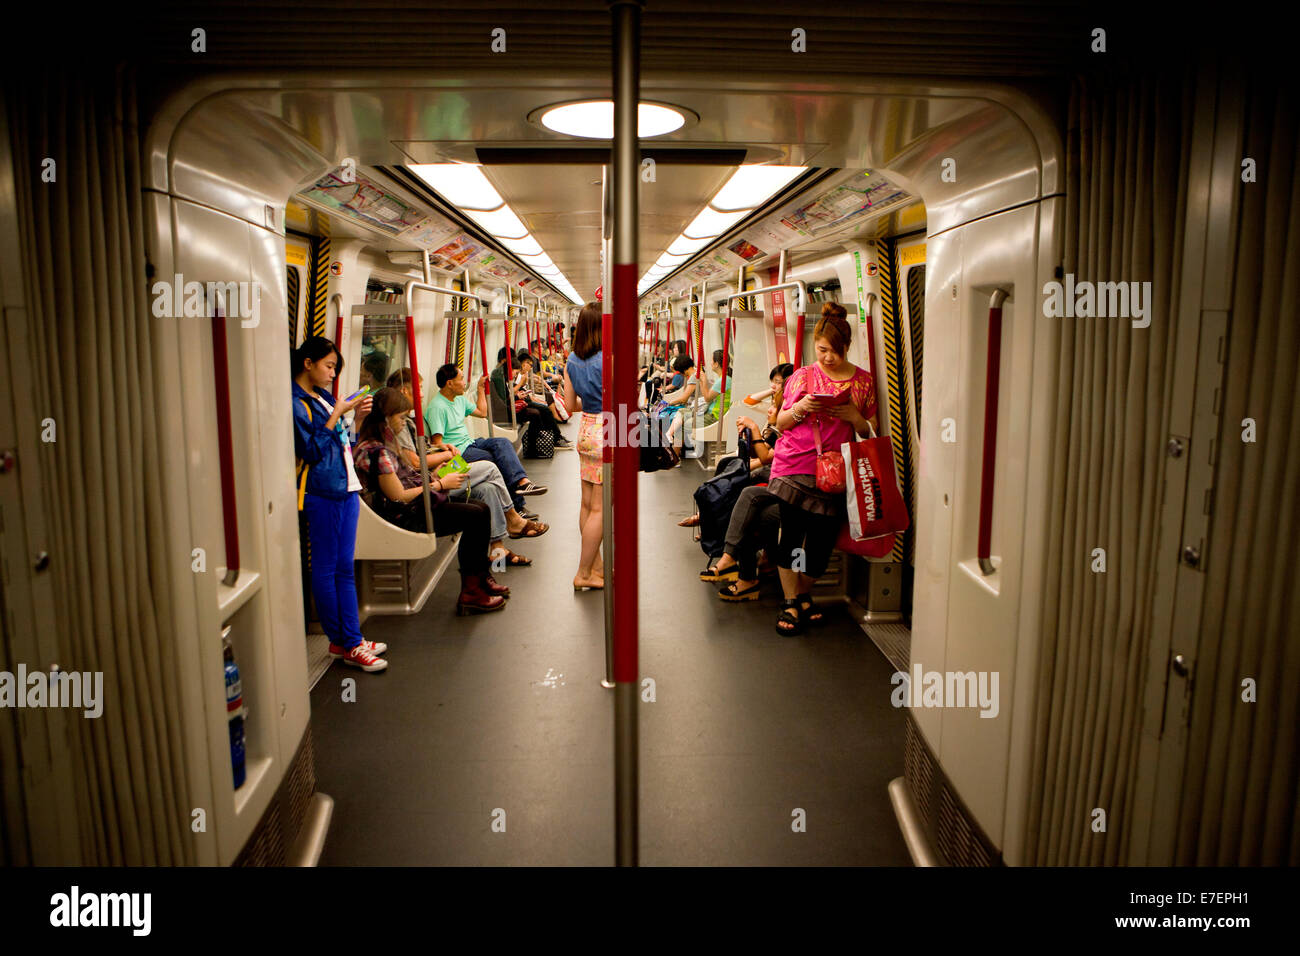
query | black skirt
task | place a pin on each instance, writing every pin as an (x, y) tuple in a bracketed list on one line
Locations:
[(802, 492)]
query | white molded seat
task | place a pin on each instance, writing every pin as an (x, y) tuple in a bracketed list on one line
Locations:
[(377, 540), (478, 428)]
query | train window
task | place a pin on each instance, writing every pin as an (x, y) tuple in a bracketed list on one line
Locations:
[(383, 339), (819, 292)]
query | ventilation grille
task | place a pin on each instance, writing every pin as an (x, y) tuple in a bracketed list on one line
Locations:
[(278, 829), (950, 829), (266, 847), (301, 784)]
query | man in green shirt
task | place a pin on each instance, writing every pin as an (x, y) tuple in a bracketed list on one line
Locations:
[(444, 420)]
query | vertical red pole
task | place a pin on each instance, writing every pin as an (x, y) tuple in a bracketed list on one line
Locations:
[(624, 167), (415, 375), (988, 472), (225, 446), (338, 344)]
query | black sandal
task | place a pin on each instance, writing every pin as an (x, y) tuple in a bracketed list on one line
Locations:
[(808, 612), (713, 575), (789, 615), (732, 593)]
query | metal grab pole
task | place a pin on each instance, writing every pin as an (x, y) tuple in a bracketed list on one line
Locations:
[(627, 93), (987, 472), (421, 450), (607, 449)]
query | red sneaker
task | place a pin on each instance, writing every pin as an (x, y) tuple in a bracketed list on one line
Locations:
[(374, 647), (360, 657)]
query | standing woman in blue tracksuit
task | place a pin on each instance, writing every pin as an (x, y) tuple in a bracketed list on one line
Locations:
[(328, 490)]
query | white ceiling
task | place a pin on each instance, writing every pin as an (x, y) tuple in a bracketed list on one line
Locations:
[(561, 206)]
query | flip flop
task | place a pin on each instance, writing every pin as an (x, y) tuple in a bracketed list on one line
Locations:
[(534, 529)]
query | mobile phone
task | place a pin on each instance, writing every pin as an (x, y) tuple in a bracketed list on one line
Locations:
[(365, 390)]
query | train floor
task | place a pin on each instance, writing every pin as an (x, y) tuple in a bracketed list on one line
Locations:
[(502, 717)]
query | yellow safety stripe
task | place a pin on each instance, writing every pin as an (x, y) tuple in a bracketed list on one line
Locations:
[(893, 381)]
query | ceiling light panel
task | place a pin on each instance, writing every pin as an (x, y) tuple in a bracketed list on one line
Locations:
[(461, 184), (527, 246), (594, 119), (502, 223), (751, 186), (710, 223)]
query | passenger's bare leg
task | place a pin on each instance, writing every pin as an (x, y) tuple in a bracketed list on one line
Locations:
[(592, 530), (514, 520), (585, 508), (789, 582)]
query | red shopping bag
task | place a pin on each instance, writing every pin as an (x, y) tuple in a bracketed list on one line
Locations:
[(830, 465), (875, 502), (867, 547)]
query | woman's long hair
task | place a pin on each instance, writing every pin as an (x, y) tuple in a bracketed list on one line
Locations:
[(586, 337), (386, 403)]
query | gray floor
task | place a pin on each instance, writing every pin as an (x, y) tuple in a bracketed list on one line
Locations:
[(505, 712)]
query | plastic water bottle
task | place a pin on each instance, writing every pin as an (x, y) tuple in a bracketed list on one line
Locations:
[(234, 709)]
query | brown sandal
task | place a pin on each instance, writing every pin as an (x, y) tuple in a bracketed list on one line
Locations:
[(533, 529), (513, 560), (691, 522)]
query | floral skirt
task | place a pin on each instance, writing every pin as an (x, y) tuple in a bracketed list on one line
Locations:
[(590, 447)]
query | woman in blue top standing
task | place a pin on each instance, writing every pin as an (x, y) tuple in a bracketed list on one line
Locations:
[(582, 383), (328, 497)]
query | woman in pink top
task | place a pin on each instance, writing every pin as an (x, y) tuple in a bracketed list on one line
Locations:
[(810, 518)]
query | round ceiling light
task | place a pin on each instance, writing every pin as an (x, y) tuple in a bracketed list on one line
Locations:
[(594, 119)]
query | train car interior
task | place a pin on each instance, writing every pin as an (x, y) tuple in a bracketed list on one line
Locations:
[(1060, 549)]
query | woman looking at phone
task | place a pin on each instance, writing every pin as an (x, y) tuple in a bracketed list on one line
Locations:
[(328, 498), (829, 402)]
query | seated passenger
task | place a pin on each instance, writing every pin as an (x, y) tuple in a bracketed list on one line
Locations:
[(755, 523), (709, 406), (485, 481), (538, 397), (755, 517), (396, 491), (444, 421), (675, 402)]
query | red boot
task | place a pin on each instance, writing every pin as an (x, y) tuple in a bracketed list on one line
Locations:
[(492, 587), (475, 598)]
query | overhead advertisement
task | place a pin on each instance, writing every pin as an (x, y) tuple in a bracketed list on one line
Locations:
[(746, 250), (453, 256), (362, 199), (867, 192)]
